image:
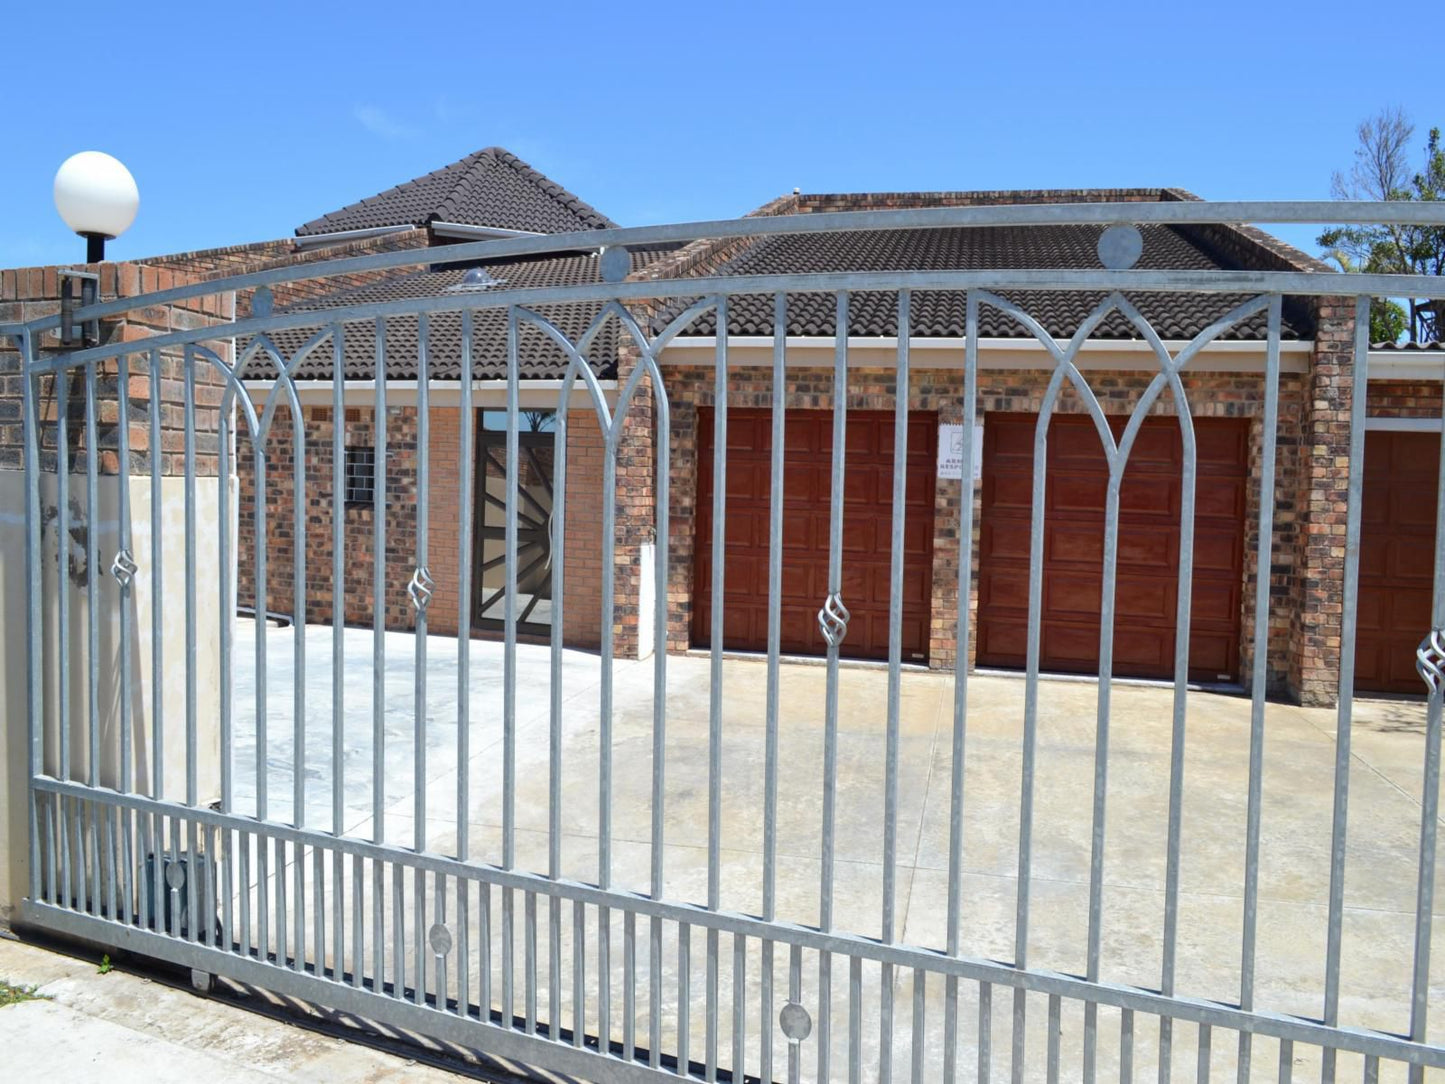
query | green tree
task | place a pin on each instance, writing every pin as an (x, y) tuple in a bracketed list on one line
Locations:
[(1380, 171)]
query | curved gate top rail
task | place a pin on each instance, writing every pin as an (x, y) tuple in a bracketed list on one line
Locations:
[(349, 888)]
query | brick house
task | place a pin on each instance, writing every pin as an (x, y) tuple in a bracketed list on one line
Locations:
[(493, 194)]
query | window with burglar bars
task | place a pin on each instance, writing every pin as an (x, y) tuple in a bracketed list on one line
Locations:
[(360, 479)]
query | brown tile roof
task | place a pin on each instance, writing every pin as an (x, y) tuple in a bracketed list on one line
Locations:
[(491, 187), (942, 313), (539, 357)]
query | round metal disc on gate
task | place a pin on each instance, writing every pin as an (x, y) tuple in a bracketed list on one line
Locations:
[(175, 875), (440, 939), (797, 1025), (1120, 247)]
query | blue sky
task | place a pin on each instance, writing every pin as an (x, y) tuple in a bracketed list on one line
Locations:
[(242, 121)]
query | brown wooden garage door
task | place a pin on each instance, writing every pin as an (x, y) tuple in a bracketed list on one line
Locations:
[(867, 511), (1148, 565), (1397, 558)]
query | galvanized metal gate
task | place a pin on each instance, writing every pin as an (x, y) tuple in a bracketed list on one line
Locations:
[(398, 922)]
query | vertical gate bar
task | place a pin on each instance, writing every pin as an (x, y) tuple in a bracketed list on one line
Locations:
[(52, 845), (398, 932), (338, 914), (662, 570), (283, 906), (123, 782), (358, 924), (338, 587), (299, 512), (775, 624), (92, 621), (715, 676), (188, 412), (629, 985), (35, 624), (318, 911), (740, 1018), (1053, 1039), (1259, 678), (62, 534), (1201, 1073), (108, 863), (529, 949), (193, 870), (795, 996), (464, 948), (855, 1019), (378, 612), (464, 604), (263, 896), (920, 989), (1029, 740), (423, 515), (579, 974), (684, 996), (157, 772), (1344, 715), (439, 903), (1372, 1069), (259, 639), (1430, 794), (378, 927), (226, 587), (830, 729), (1183, 608), (484, 944), (895, 657), (228, 888), (985, 1031), (174, 895), (557, 542), (962, 637), (243, 875), (509, 668), (1126, 1046), (1286, 1061), (508, 954), (208, 888)]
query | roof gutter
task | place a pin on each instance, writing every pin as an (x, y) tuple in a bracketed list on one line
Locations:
[(463, 229), (342, 237)]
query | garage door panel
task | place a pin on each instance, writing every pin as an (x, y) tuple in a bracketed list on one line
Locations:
[(1222, 497), (866, 539), (1147, 572), (1072, 493), (1011, 491), (1397, 556)]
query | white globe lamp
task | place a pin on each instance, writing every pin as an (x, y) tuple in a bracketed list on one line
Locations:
[(97, 197)]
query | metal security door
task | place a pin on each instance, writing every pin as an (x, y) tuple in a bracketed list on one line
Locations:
[(528, 850)]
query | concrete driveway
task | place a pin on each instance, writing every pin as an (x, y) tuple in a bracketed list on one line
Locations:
[(1385, 782)]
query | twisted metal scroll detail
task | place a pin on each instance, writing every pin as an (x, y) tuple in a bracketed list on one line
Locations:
[(421, 588), (1430, 660), (124, 568), (833, 620)]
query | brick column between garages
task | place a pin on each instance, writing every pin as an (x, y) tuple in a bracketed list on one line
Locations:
[(1315, 634)]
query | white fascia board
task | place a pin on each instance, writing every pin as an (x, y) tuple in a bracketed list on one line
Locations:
[(994, 353), (485, 393), (1407, 365), (1404, 425)]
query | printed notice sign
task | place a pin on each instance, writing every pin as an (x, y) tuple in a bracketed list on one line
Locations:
[(950, 452)]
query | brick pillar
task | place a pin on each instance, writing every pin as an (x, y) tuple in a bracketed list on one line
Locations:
[(1323, 504)]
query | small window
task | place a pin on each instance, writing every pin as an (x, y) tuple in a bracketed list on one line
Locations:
[(360, 476)]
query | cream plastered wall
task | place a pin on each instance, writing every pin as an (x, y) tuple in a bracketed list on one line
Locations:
[(75, 666)]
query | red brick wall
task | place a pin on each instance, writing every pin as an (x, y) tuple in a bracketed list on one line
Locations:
[(941, 390), (444, 555)]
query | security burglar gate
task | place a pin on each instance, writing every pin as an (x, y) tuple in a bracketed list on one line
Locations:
[(360, 888)]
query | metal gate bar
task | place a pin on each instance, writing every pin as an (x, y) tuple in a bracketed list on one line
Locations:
[(228, 892)]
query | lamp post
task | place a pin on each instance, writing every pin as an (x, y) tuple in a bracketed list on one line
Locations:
[(97, 198)]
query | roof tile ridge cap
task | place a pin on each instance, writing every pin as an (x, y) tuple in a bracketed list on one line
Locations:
[(414, 182), (695, 253), (1251, 236), (559, 194)]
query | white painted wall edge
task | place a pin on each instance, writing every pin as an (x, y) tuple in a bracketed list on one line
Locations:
[(1405, 425)]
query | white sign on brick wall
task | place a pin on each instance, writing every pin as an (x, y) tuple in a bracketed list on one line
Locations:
[(950, 452)]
